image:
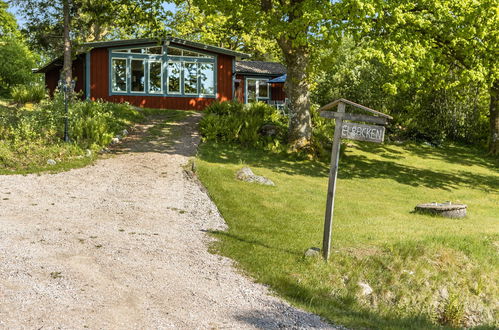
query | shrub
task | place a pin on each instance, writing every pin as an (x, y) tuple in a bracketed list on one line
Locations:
[(28, 93), (237, 123)]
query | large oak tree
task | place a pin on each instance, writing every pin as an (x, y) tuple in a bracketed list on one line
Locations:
[(297, 26)]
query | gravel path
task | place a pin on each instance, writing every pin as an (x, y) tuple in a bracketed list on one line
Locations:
[(122, 245)]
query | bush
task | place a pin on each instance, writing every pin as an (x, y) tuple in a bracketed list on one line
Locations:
[(91, 124), (29, 137), (244, 124), (16, 63), (28, 93)]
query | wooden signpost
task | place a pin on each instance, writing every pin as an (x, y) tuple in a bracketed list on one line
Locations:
[(347, 130)]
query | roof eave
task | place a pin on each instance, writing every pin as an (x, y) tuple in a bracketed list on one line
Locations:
[(198, 45)]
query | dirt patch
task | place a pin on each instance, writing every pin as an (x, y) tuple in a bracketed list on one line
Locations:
[(122, 244)]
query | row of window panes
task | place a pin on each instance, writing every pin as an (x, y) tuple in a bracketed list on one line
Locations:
[(172, 51), (205, 85), (191, 72), (257, 89)]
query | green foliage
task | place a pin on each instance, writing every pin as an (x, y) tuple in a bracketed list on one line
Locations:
[(8, 24), (94, 124), (28, 137), (444, 46), (15, 57), (427, 103), (237, 123), (28, 93), (17, 62), (217, 29)]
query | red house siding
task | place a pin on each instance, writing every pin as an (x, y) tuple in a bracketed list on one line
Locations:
[(99, 86), (53, 76)]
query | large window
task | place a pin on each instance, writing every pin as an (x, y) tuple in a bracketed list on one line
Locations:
[(119, 75), (162, 71), (257, 90)]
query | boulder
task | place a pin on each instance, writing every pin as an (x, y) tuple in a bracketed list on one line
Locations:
[(365, 289), (313, 252), (268, 130), (247, 175)]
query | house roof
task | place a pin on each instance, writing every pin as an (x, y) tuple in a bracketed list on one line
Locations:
[(280, 79), (169, 39), (260, 68), (57, 62)]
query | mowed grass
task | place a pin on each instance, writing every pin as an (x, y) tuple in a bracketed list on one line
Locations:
[(425, 271)]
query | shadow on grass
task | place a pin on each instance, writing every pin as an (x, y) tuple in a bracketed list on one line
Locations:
[(359, 166), (250, 242), (171, 132), (345, 308), (463, 155)]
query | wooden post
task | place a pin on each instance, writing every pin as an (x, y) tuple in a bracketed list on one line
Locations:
[(333, 172)]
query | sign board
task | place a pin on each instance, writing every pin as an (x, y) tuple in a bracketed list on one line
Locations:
[(348, 130), (361, 132)]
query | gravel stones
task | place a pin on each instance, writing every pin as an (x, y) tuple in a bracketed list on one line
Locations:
[(106, 247)]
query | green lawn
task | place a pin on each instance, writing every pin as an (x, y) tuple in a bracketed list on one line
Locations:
[(424, 270)]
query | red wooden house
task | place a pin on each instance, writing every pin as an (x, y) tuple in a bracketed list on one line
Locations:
[(172, 74)]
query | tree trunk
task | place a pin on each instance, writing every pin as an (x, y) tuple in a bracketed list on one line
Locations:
[(66, 68), (298, 94), (494, 119)]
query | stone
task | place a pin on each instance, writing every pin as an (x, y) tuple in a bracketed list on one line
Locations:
[(268, 130), (115, 140), (124, 132), (365, 289), (444, 293), (88, 153), (51, 162), (313, 252), (447, 209), (247, 175)]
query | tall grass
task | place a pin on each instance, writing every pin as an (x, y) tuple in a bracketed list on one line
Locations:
[(28, 93)]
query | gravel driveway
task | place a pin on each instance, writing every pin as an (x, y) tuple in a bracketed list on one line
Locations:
[(122, 245)]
